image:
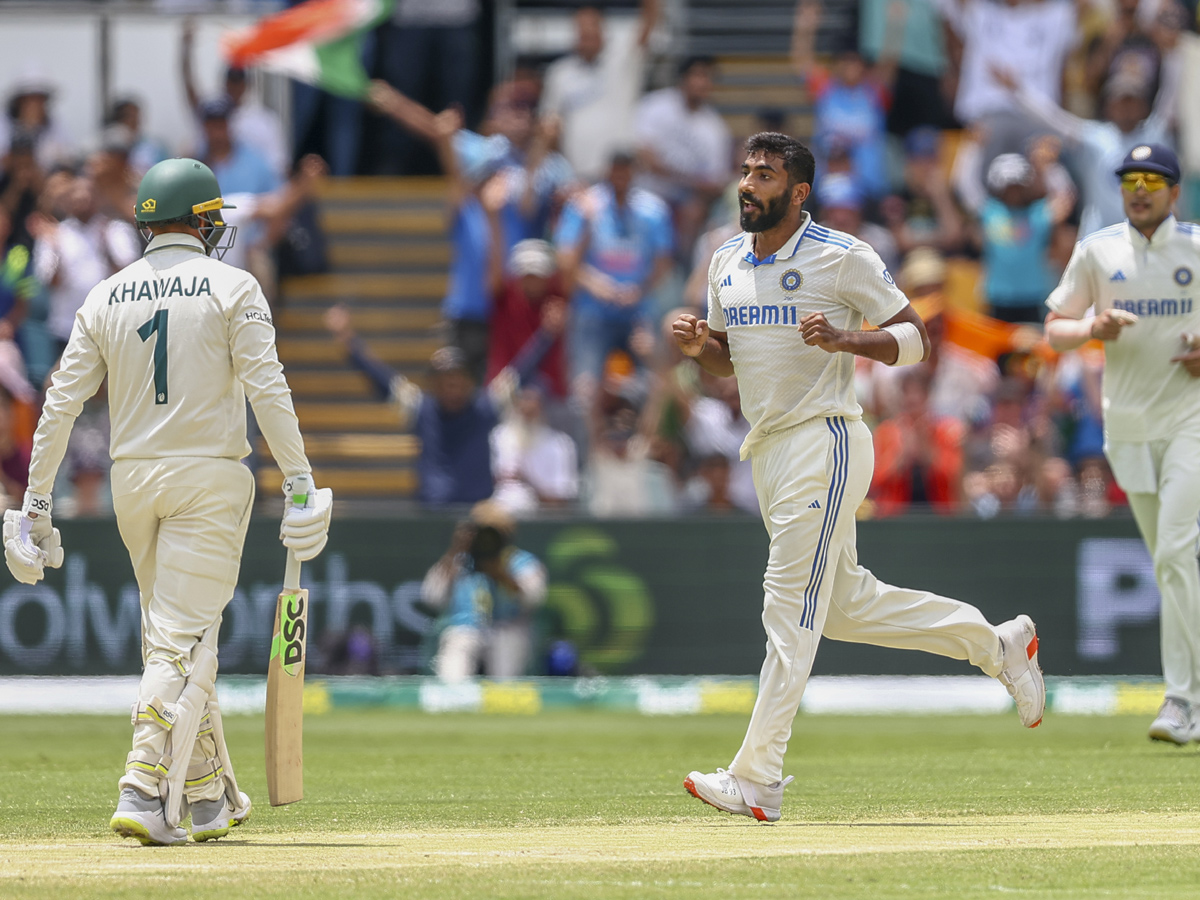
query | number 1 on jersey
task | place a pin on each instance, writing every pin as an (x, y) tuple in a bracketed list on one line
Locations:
[(158, 323)]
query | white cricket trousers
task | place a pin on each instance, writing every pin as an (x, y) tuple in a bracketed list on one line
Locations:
[(505, 650), (184, 522), (810, 481), (1167, 521)]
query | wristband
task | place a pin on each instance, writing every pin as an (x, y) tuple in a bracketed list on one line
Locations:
[(908, 340)]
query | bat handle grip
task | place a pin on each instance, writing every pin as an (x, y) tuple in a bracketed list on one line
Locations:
[(291, 573)]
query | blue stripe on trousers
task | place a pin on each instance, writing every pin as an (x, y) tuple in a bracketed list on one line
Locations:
[(833, 503)]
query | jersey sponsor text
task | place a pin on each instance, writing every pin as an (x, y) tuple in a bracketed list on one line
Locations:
[(767, 314), (1164, 307)]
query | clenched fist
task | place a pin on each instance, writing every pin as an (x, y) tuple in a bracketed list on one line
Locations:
[(817, 332), (1107, 325), (691, 334)]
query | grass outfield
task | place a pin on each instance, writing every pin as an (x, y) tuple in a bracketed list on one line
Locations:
[(590, 805)]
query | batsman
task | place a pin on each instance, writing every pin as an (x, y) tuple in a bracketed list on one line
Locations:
[(184, 339)]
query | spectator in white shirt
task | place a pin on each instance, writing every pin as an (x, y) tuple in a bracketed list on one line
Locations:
[(1098, 146), (534, 465), (1030, 37), (714, 427), (684, 147), (71, 257), (623, 477), (594, 90)]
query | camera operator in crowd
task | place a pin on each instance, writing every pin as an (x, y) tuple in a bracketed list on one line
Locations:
[(486, 591)]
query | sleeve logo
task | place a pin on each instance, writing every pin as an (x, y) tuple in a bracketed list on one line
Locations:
[(887, 276), (791, 281)]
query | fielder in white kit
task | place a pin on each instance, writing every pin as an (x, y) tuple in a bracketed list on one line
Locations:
[(787, 300), (1139, 278), (183, 339)]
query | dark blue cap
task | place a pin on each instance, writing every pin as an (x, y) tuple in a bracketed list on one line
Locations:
[(216, 108), (1155, 158)]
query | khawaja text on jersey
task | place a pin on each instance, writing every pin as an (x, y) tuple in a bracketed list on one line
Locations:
[(162, 287)]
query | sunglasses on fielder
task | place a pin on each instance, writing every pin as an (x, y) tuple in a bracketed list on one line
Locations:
[(1148, 180)]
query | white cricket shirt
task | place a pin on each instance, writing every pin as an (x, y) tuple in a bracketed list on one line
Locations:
[(1146, 396), (183, 339), (759, 304)]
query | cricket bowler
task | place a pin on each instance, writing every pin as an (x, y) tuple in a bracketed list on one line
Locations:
[(787, 300), (183, 339)]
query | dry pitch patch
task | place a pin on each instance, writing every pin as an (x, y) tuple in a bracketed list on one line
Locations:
[(1035, 856), (591, 806)]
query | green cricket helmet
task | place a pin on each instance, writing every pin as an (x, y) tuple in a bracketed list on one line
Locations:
[(185, 192)]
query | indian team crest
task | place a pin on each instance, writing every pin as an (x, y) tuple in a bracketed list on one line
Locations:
[(791, 280), (1183, 276)]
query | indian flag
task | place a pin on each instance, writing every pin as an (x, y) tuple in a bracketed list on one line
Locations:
[(317, 42)]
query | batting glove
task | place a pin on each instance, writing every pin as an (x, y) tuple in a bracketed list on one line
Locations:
[(305, 526), (31, 542)]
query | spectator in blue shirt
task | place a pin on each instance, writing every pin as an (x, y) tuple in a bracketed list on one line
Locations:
[(615, 242), (1017, 230), (239, 168), (453, 420), (850, 100), (512, 171), (518, 147), (467, 306)]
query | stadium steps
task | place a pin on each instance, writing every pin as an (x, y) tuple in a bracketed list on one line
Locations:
[(760, 27), (374, 319), (397, 286), (748, 86), (389, 253), (320, 349), (751, 40)]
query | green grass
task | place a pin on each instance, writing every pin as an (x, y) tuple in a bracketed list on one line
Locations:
[(590, 805)]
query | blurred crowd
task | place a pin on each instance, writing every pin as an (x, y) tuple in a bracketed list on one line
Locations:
[(67, 223), (970, 142)]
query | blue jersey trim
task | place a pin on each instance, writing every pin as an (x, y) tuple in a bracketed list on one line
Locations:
[(729, 243), (825, 236), (831, 243)]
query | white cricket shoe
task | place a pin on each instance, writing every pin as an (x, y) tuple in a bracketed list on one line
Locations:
[(143, 818), (1021, 675), (1174, 722), (726, 791), (213, 819)]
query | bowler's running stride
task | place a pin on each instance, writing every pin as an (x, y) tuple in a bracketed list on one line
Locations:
[(183, 339), (787, 300)]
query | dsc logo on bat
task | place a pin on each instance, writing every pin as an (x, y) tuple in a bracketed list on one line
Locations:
[(288, 644)]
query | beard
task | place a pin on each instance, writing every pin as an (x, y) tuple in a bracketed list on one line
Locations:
[(764, 217)]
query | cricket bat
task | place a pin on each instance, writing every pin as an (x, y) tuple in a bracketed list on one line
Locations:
[(285, 691)]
